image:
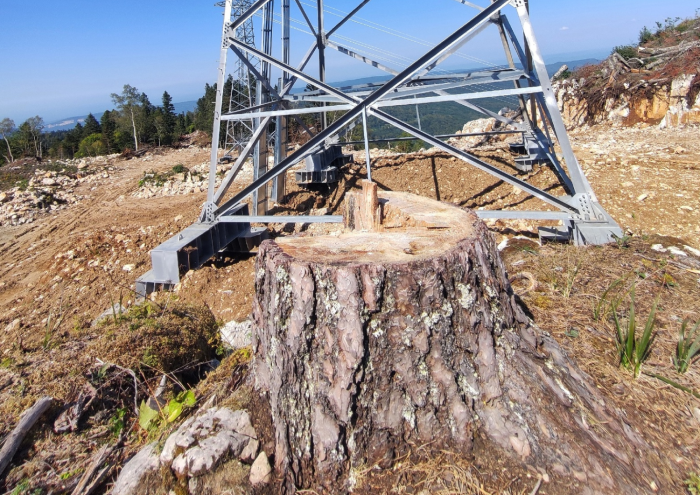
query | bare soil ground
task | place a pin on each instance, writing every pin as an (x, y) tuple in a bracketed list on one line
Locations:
[(61, 271)]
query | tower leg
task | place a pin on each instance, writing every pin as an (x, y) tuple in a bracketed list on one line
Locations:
[(261, 197), (279, 184)]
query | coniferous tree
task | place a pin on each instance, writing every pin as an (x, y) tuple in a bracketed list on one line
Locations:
[(108, 127), (169, 118), (73, 139), (228, 86), (145, 121), (91, 126), (204, 112), (180, 125)]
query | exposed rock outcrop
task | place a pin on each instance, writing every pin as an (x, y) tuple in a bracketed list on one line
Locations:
[(208, 449)]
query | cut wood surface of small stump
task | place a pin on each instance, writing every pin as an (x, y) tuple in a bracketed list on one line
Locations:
[(408, 334)]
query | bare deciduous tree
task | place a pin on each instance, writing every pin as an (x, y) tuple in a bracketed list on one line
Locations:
[(127, 103), (36, 126), (6, 127)]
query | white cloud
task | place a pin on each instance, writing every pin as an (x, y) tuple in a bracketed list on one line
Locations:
[(563, 28)]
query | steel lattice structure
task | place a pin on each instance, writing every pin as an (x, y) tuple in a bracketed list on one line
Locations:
[(242, 94), (224, 220)]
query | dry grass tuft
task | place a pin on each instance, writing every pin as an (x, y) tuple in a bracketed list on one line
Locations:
[(421, 472), (147, 339), (158, 339), (577, 311)]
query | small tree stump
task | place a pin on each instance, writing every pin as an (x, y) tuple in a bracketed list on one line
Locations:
[(362, 208), (370, 341)]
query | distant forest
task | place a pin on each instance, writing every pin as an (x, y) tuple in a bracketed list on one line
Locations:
[(135, 122)]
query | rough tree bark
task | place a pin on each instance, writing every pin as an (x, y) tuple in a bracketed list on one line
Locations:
[(372, 341)]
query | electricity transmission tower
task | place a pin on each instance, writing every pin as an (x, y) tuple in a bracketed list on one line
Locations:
[(242, 95), (257, 106)]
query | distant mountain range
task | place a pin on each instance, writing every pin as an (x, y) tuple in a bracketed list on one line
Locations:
[(65, 124), (187, 106), (70, 122), (551, 69)]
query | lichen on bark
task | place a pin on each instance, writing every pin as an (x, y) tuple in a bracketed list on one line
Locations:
[(362, 360)]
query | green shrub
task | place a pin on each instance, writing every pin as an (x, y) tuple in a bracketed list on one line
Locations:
[(179, 168), (626, 51), (91, 146), (684, 26), (153, 178), (409, 146), (564, 75), (693, 484), (150, 338), (645, 35)]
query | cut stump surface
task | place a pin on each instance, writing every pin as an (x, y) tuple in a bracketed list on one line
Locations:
[(372, 343)]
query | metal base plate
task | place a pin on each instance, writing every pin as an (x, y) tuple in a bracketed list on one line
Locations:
[(582, 233), (193, 247), (326, 176)]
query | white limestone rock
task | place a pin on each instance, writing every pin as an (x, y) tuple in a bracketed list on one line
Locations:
[(202, 441), (260, 472), (133, 472), (237, 334)]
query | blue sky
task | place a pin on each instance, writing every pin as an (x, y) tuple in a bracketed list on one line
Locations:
[(60, 59)]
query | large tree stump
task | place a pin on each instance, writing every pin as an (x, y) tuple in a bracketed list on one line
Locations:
[(370, 341)]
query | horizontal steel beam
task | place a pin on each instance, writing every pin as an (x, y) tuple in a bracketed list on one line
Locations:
[(280, 219), (458, 96), (493, 75), (393, 103), (441, 136), (485, 111), (413, 89), (522, 215), (282, 113)]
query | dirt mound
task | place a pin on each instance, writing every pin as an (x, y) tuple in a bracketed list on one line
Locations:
[(655, 82)]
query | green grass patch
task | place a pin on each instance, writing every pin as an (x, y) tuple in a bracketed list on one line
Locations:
[(688, 347), (633, 351)]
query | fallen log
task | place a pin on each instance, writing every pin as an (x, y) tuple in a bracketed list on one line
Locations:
[(26, 421), (671, 50), (373, 343), (84, 486)]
